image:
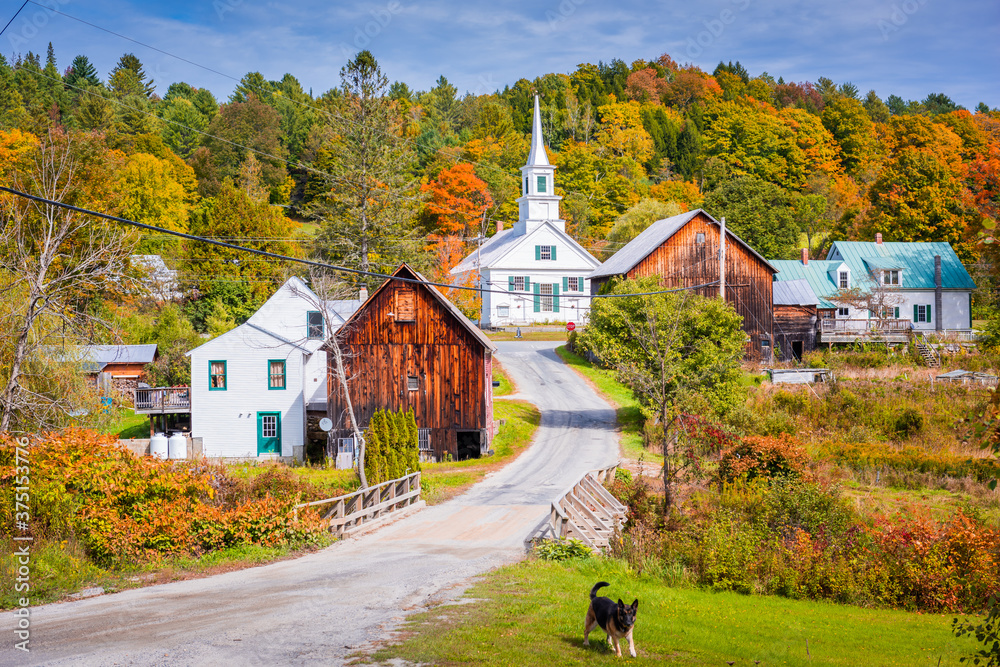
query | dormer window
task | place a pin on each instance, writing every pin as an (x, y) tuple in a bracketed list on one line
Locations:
[(541, 184), (890, 277), (843, 279)]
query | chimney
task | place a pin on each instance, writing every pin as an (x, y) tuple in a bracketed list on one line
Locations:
[(878, 238), (499, 226), (363, 294), (805, 256)]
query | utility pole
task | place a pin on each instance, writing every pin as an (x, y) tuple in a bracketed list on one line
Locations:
[(722, 259)]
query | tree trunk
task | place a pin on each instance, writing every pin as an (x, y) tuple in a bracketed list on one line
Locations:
[(358, 437), (668, 499)]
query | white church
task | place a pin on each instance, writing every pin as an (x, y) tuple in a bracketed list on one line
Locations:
[(533, 273)]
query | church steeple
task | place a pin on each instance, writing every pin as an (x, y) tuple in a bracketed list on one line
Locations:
[(538, 202)]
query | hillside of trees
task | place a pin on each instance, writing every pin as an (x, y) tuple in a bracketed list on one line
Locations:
[(370, 173)]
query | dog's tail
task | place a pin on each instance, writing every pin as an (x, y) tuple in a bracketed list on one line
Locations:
[(598, 585)]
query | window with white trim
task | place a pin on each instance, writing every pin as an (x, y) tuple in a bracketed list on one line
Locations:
[(843, 279), (314, 324), (503, 311), (890, 277), (921, 313), (843, 312), (541, 184), (546, 252), (518, 283), (574, 284), (545, 301)]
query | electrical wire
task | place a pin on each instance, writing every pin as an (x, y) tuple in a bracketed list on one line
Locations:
[(306, 262)]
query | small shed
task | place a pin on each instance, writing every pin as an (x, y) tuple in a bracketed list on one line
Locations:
[(968, 377), (117, 368), (795, 319), (800, 375), (408, 347)]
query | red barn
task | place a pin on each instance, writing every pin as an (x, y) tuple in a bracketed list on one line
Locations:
[(408, 347)]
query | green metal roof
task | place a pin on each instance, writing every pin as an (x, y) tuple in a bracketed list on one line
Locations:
[(816, 273), (915, 259)]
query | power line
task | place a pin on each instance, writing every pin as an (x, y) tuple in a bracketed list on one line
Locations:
[(14, 17), (307, 262)]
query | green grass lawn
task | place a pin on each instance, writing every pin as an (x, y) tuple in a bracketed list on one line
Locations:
[(528, 335), (506, 387), (630, 419), (532, 614)]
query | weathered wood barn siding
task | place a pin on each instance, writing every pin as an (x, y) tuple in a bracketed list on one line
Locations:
[(681, 261), (405, 331), (794, 324)]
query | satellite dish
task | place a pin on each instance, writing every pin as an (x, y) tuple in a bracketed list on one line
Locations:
[(325, 424)]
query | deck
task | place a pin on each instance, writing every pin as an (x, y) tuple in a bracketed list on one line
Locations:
[(162, 400)]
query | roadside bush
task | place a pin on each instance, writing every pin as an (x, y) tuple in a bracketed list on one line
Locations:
[(560, 550), (762, 456), (391, 447), (130, 510)]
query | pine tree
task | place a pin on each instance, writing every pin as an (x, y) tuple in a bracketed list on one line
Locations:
[(81, 73), (129, 62), (367, 204)]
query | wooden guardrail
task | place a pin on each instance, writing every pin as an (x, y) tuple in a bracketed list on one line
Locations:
[(354, 509), (587, 512)]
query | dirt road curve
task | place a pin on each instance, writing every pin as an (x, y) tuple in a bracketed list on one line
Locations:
[(320, 608)]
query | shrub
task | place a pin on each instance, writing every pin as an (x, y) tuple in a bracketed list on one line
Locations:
[(909, 423), (563, 549), (762, 456), (987, 633)]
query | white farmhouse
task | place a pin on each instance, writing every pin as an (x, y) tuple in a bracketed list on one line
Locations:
[(252, 387), (534, 272)]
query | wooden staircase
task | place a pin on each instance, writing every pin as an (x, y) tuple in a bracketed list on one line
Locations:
[(927, 353)]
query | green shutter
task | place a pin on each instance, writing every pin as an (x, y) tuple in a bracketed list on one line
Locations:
[(527, 283), (510, 283), (914, 312), (538, 299), (555, 295), (566, 283), (929, 318), (896, 315), (538, 252), (553, 253)]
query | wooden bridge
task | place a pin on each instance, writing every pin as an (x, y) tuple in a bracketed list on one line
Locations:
[(350, 512), (587, 511)]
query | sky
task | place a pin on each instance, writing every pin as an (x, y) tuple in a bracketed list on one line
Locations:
[(909, 48)]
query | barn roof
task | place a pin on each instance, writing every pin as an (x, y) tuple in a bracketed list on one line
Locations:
[(652, 238), (794, 293), (402, 272)]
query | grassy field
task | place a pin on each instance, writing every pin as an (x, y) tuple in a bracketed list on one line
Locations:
[(506, 387), (532, 614), (630, 419), (528, 335)]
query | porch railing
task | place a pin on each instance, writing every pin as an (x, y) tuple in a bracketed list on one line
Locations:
[(163, 399), (346, 513), (864, 326)]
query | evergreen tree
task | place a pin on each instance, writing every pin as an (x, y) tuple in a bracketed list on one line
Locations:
[(129, 62), (366, 201), (81, 73)]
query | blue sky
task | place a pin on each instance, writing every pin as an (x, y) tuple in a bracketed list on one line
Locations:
[(905, 47)]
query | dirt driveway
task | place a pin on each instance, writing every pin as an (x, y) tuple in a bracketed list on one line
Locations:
[(322, 607)]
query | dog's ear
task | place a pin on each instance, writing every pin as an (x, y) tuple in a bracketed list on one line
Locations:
[(620, 603), (635, 603)]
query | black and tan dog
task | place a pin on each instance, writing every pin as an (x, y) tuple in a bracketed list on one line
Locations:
[(616, 620)]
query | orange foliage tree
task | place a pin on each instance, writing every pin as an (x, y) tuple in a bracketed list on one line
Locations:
[(459, 200)]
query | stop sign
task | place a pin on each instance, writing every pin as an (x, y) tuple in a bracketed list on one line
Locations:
[(570, 326)]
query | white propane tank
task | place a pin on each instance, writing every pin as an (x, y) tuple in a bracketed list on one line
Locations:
[(158, 446), (177, 446)]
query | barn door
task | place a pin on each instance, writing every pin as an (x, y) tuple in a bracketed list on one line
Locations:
[(268, 433)]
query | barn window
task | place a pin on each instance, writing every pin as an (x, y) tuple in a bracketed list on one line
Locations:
[(314, 324), (217, 376), (412, 383), (406, 310), (276, 374), (424, 439), (699, 237)]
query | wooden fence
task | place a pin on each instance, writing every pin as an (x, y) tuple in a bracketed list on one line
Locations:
[(587, 512), (351, 511)]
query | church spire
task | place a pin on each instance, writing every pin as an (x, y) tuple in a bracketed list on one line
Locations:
[(537, 157)]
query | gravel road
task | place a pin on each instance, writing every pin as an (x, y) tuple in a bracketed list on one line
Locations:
[(322, 607)]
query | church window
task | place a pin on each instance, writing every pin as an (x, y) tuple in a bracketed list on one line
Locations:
[(541, 184)]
